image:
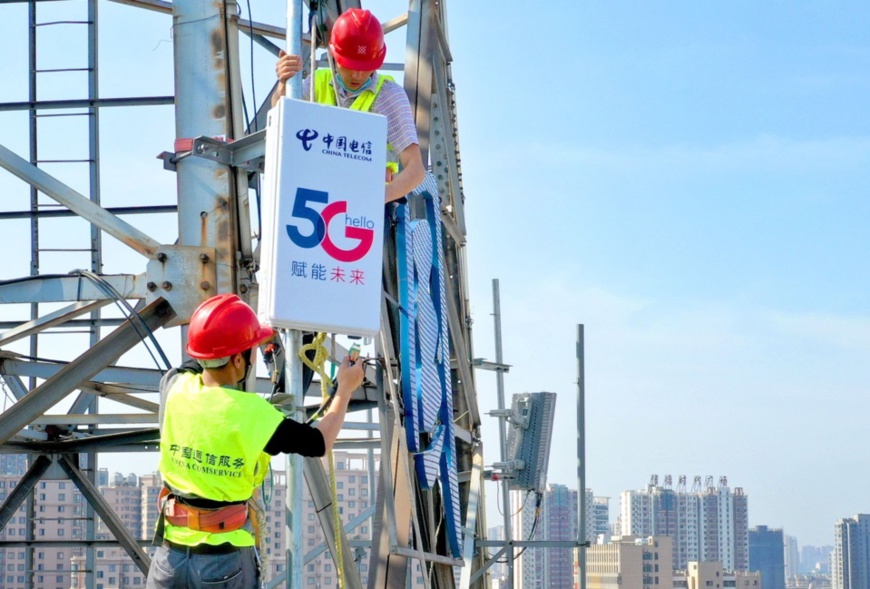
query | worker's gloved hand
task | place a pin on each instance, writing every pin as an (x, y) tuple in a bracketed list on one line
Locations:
[(287, 66), (350, 375)]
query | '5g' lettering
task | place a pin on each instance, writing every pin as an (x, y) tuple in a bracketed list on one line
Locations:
[(320, 221)]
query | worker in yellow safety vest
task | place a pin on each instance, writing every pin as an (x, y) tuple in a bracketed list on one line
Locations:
[(357, 50), (216, 443)]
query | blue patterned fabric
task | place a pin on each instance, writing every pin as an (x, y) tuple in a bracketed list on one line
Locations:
[(425, 354)]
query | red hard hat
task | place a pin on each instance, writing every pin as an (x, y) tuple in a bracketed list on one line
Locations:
[(222, 326), (357, 41)]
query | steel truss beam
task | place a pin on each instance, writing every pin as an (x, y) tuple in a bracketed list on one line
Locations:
[(23, 488), (77, 373), (88, 103), (213, 212), (81, 205), (104, 510), (57, 288), (50, 320)]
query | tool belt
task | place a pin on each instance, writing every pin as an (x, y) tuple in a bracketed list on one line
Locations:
[(213, 521)]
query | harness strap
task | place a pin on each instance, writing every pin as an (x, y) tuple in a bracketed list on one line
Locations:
[(213, 521)]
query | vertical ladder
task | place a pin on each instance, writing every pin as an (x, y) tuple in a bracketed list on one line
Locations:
[(95, 263)]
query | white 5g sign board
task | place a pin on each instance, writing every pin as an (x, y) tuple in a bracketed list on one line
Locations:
[(322, 219)]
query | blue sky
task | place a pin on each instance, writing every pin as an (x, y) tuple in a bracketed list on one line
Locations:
[(687, 179)]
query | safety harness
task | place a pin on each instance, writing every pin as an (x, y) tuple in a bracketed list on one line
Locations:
[(214, 521)]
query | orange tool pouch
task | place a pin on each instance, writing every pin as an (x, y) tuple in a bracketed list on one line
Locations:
[(213, 521)]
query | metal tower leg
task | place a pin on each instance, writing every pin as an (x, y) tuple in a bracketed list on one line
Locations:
[(104, 510)]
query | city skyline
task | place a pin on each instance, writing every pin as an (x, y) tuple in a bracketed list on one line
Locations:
[(134, 498), (695, 196)]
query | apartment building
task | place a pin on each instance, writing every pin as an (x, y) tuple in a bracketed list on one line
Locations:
[(60, 510), (712, 575), (850, 561), (57, 507), (767, 556), (705, 524), (638, 563)]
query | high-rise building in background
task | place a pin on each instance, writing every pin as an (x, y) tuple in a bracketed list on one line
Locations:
[(630, 562), (13, 464), (816, 559), (60, 510), (597, 517), (355, 499), (792, 556), (557, 521), (850, 562), (706, 523), (495, 533), (767, 556)]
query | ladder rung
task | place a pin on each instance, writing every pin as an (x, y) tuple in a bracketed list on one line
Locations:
[(65, 249), (66, 114), (70, 69), (63, 22), (64, 161)]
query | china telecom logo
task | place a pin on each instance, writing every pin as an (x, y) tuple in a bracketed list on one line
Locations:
[(306, 136), (343, 146), (360, 229)]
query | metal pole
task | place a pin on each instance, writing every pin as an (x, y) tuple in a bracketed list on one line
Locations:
[(295, 467), (90, 459), (581, 457), (502, 439), (295, 464)]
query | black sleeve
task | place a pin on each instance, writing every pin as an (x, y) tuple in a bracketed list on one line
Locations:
[(292, 437)]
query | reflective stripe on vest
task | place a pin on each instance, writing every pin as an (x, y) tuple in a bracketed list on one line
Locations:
[(211, 447), (324, 93)]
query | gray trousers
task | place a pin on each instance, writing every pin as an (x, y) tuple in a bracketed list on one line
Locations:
[(175, 569)]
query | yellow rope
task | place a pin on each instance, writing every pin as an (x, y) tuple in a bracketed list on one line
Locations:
[(321, 355), (318, 365)]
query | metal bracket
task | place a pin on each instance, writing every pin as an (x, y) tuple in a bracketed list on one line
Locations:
[(172, 272), (247, 153), (487, 365)]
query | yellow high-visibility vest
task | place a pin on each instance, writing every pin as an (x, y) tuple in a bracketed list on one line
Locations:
[(211, 447), (324, 93)]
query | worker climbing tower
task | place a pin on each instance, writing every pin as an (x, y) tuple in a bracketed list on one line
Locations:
[(63, 348)]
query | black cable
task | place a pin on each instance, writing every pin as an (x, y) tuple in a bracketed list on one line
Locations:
[(122, 303), (538, 499)]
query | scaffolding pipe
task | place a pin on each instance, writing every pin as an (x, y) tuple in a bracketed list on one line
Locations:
[(581, 458), (295, 463), (502, 435)]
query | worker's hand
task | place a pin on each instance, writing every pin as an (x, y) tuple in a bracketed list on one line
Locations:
[(350, 376), (287, 66)]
